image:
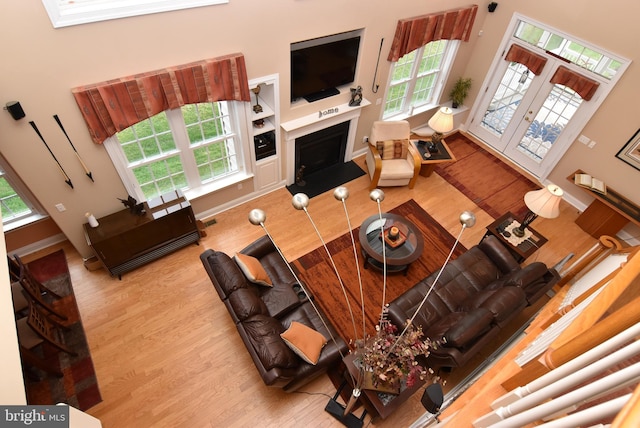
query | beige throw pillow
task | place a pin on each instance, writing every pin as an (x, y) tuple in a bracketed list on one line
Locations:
[(393, 149), (252, 269), (304, 341)]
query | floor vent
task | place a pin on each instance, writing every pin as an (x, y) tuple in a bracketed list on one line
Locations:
[(210, 222)]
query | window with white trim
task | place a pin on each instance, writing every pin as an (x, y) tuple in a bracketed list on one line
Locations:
[(19, 206), (417, 79), (195, 147), (64, 13)]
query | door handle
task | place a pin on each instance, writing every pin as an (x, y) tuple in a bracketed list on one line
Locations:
[(527, 119)]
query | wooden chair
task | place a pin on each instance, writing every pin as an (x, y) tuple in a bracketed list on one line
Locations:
[(392, 160), (37, 328), (36, 291)]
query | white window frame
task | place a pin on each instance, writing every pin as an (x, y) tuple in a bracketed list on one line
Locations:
[(65, 13), (195, 187), (408, 109), (37, 212)]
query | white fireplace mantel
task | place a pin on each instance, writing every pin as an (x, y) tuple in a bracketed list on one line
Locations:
[(311, 123)]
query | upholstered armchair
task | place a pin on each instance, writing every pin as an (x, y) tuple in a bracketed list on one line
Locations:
[(392, 160)]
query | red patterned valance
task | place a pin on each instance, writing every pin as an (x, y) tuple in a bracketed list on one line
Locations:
[(584, 86), (416, 32), (534, 62), (111, 106)]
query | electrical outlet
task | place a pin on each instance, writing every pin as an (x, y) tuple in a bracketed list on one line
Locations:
[(591, 144), (584, 139), (61, 207), (365, 139)]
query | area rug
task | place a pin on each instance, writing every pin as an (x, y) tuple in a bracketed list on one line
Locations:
[(489, 182), (327, 179), (316, 272), (78, 386)]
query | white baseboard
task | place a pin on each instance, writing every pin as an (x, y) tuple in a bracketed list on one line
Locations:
[(39, 245)]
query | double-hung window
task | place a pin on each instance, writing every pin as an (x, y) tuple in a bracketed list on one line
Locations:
[(19, 207), (193, 148), (417, 79)]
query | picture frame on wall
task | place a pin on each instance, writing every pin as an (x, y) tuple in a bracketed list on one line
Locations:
[(630, 152)]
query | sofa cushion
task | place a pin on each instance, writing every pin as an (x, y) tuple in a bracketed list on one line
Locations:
[(304, 341), (470, 327), (503, 302), (224, 273), (252, 269), (264, 334), (246, 303), (437, 330)]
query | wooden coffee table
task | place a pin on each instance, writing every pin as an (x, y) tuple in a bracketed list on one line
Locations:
[(431, 160), (398, 255)]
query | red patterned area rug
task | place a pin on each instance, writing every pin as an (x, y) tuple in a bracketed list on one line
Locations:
[(316, 272), (78, 386), (489, 182)]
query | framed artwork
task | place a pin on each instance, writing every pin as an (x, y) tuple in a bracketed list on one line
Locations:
[(630, 153)]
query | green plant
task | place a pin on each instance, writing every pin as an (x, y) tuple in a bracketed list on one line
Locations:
[(460, 91)]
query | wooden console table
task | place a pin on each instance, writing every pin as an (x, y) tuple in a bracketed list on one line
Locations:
[(607, 214), (124, 241)]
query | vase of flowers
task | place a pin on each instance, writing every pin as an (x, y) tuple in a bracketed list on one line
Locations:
[(388, 359)]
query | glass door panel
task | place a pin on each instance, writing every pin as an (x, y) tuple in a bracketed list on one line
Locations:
[(512, 88), (544, 129)]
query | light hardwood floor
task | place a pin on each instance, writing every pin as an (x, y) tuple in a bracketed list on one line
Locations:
[(166, 352)]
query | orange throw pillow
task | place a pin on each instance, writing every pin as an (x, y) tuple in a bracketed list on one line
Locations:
[(252, 269), (304, 341)]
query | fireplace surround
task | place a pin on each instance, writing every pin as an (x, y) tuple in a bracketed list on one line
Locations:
[(327, 118)]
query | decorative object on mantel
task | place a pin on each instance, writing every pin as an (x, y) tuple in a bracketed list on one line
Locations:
[(133, 205), (86, 170), (385, 360), (64, 174), (460, 91), (356, 96), (257, 108), (630, 153), (440, 122), (544, 203)]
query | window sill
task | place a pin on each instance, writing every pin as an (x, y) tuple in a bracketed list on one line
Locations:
[(217, 185), (23, 222), (416, 111)]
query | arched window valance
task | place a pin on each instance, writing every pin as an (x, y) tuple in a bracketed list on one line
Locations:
[(584, 86), (416, 32), (111, 106), (534, 62)]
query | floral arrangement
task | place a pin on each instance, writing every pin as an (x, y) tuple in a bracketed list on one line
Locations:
[(390, 358)]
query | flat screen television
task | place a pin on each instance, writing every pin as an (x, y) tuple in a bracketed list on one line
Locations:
[(321, 65)]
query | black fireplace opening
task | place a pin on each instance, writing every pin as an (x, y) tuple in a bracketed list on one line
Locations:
[(321, 149), (322, 155)]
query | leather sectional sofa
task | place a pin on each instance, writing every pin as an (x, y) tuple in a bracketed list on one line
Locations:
[(261, 313), (475, 297)]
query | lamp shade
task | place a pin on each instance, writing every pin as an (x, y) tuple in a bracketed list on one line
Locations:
[(442, 121), (545, 202)]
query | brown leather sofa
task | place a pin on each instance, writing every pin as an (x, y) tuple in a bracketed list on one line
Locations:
[(262, 313), (477, 295)]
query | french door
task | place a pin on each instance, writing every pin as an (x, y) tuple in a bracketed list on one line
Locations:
[(540, 92), (526, 117)]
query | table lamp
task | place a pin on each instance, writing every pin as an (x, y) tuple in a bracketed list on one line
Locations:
[(544, 203), (441, 122)]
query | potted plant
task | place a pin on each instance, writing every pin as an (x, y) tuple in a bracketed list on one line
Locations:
[(460, 91)]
